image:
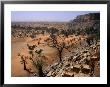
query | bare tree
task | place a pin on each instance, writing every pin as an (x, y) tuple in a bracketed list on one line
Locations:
[(58, 42), (24, 62), (37, 60)]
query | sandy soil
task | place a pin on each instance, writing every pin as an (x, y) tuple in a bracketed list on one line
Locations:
[(19, 46)]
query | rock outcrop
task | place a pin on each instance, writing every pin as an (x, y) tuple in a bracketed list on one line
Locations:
[(85, 24)]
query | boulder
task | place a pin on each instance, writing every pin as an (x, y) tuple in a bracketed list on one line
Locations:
[(85, 69), (81, 75), (76, 68), (68, 74), (50, 73), (94, 58)]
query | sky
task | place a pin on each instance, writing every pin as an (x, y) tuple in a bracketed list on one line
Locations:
[(50, 16)]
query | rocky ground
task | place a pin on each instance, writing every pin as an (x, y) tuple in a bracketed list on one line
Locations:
[(81, 64)]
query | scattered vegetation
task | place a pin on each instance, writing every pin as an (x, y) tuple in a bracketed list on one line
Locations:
[(79, 55)]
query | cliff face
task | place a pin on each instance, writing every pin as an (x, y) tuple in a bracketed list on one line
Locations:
[(85, 24), (88, 17)]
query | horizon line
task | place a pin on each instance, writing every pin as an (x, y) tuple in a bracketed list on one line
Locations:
[(39, 21)]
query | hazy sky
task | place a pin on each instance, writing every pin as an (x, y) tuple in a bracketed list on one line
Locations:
[(56, 16)]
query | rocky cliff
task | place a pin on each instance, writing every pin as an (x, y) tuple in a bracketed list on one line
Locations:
[(85, 24)]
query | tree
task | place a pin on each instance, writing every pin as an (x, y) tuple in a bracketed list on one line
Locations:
[(36, 56), (24, 62), (58, 42)]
